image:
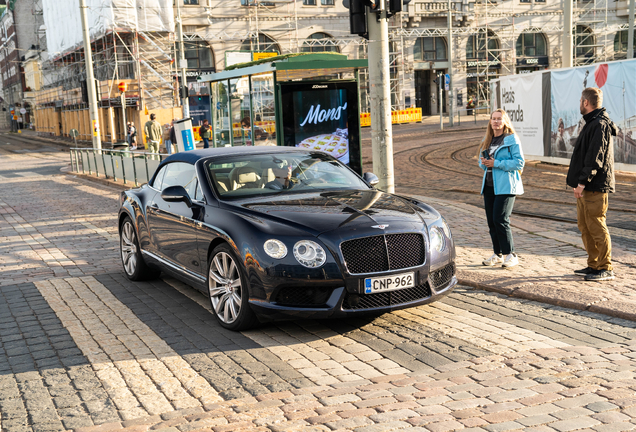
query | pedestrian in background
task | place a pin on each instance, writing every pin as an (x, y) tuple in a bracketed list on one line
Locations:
[(591, 174), (205, 133), (502, 160), (128, 134), (167, 137), (173, 137), (153, 134), (133, 136)]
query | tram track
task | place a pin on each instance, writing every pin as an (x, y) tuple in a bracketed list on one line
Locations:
[(460, 180)]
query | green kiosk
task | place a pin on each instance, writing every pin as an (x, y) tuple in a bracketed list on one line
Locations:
[(303, 100)]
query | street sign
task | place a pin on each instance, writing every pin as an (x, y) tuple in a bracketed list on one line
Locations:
[(122, 86), (447, 82), (22, 110), (74, 133)]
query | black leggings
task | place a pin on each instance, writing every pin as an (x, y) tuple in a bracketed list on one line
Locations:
[(498, 209)]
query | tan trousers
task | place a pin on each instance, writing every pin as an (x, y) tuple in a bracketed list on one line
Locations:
[(591, 210), (153, 147)]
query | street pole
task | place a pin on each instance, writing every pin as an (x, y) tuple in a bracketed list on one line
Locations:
[(185, 103), (123, 111), (568, 45), (450, 64), (90, 78), (380, 95), (630, 31), (440, 80)]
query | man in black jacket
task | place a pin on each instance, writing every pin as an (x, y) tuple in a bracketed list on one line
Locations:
[(591, 174)]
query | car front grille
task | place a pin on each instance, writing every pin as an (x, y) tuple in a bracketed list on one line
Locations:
[(303, 296), (384, 299), (383, 253), (442, 277)]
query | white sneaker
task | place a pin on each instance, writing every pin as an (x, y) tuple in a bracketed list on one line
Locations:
[(511, 260), (493, 260)]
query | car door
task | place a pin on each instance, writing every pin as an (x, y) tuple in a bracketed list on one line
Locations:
[(172, 225)]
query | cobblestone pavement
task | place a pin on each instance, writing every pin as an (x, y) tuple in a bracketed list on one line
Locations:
[(84, 348)]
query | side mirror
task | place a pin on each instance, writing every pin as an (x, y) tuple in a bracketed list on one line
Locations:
[(176, 194), (371, 178)]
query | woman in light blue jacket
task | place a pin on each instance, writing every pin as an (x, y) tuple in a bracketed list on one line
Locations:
[(501, 158)]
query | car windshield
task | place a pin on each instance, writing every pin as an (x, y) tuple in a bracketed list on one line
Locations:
[(280, 173)]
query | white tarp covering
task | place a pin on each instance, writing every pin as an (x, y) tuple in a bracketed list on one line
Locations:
[(64, 25)]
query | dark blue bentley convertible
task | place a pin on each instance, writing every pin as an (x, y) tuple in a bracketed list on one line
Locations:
[(277, 232)]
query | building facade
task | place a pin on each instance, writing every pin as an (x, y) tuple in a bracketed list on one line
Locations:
[(490, 38)]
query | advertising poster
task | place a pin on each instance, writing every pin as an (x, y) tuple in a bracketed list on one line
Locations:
[(616, 80), (200, 109), (321, 121), (520, 96)]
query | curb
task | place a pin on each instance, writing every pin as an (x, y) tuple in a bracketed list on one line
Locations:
[(568, 304)]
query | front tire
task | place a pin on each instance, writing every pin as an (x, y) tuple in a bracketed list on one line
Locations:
[(133, 262), (228, 290)]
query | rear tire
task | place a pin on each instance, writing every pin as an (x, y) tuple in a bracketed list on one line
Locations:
[(132, 260), (228, 290)]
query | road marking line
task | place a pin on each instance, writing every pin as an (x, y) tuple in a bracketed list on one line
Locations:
[(139, 371)]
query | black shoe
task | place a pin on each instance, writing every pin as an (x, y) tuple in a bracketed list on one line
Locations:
[(600, 275), (585, 271)]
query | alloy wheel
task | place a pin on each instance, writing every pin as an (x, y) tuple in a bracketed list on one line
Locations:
[(128, 248), (225, 287)]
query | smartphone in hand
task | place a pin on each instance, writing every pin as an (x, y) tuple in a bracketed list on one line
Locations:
[(484, 154)]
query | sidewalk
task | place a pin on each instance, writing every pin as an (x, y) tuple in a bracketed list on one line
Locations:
[(548, 254)]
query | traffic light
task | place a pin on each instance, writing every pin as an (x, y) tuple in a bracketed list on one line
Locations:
[(395, 6), (358, 17), (183, 92)]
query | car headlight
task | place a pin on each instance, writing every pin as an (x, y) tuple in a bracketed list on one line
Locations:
[(447, 229), (275, 248), (437, 239), (309, 253)]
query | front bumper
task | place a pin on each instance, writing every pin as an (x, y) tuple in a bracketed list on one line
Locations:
[(342, 303)]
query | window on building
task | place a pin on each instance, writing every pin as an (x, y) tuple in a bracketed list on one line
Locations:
[(327, 2), (263, 43), (309, 2), (476, 46), (525, 1), (257, 3), (531, 45), (190, 2), (620, 45), (198, 54), (319, 42), (430, 49), (584, 41)]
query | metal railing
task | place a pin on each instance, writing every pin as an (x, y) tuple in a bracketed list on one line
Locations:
[(129, 166)]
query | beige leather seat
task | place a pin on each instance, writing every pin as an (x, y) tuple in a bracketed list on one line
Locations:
[(245, 176)]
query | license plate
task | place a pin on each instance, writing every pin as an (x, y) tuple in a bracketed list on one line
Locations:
[(389, 283)]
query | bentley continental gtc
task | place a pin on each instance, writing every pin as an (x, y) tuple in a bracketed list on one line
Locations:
[(273, 233)]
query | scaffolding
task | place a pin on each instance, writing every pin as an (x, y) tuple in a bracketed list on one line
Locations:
[(140, 56)]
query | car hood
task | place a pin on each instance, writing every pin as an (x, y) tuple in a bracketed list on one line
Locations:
[(322, 212)]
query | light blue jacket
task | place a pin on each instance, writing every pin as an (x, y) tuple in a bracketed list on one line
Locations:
[(508, 162)]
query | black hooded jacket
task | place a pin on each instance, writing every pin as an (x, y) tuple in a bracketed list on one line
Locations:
[(592, 163)]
